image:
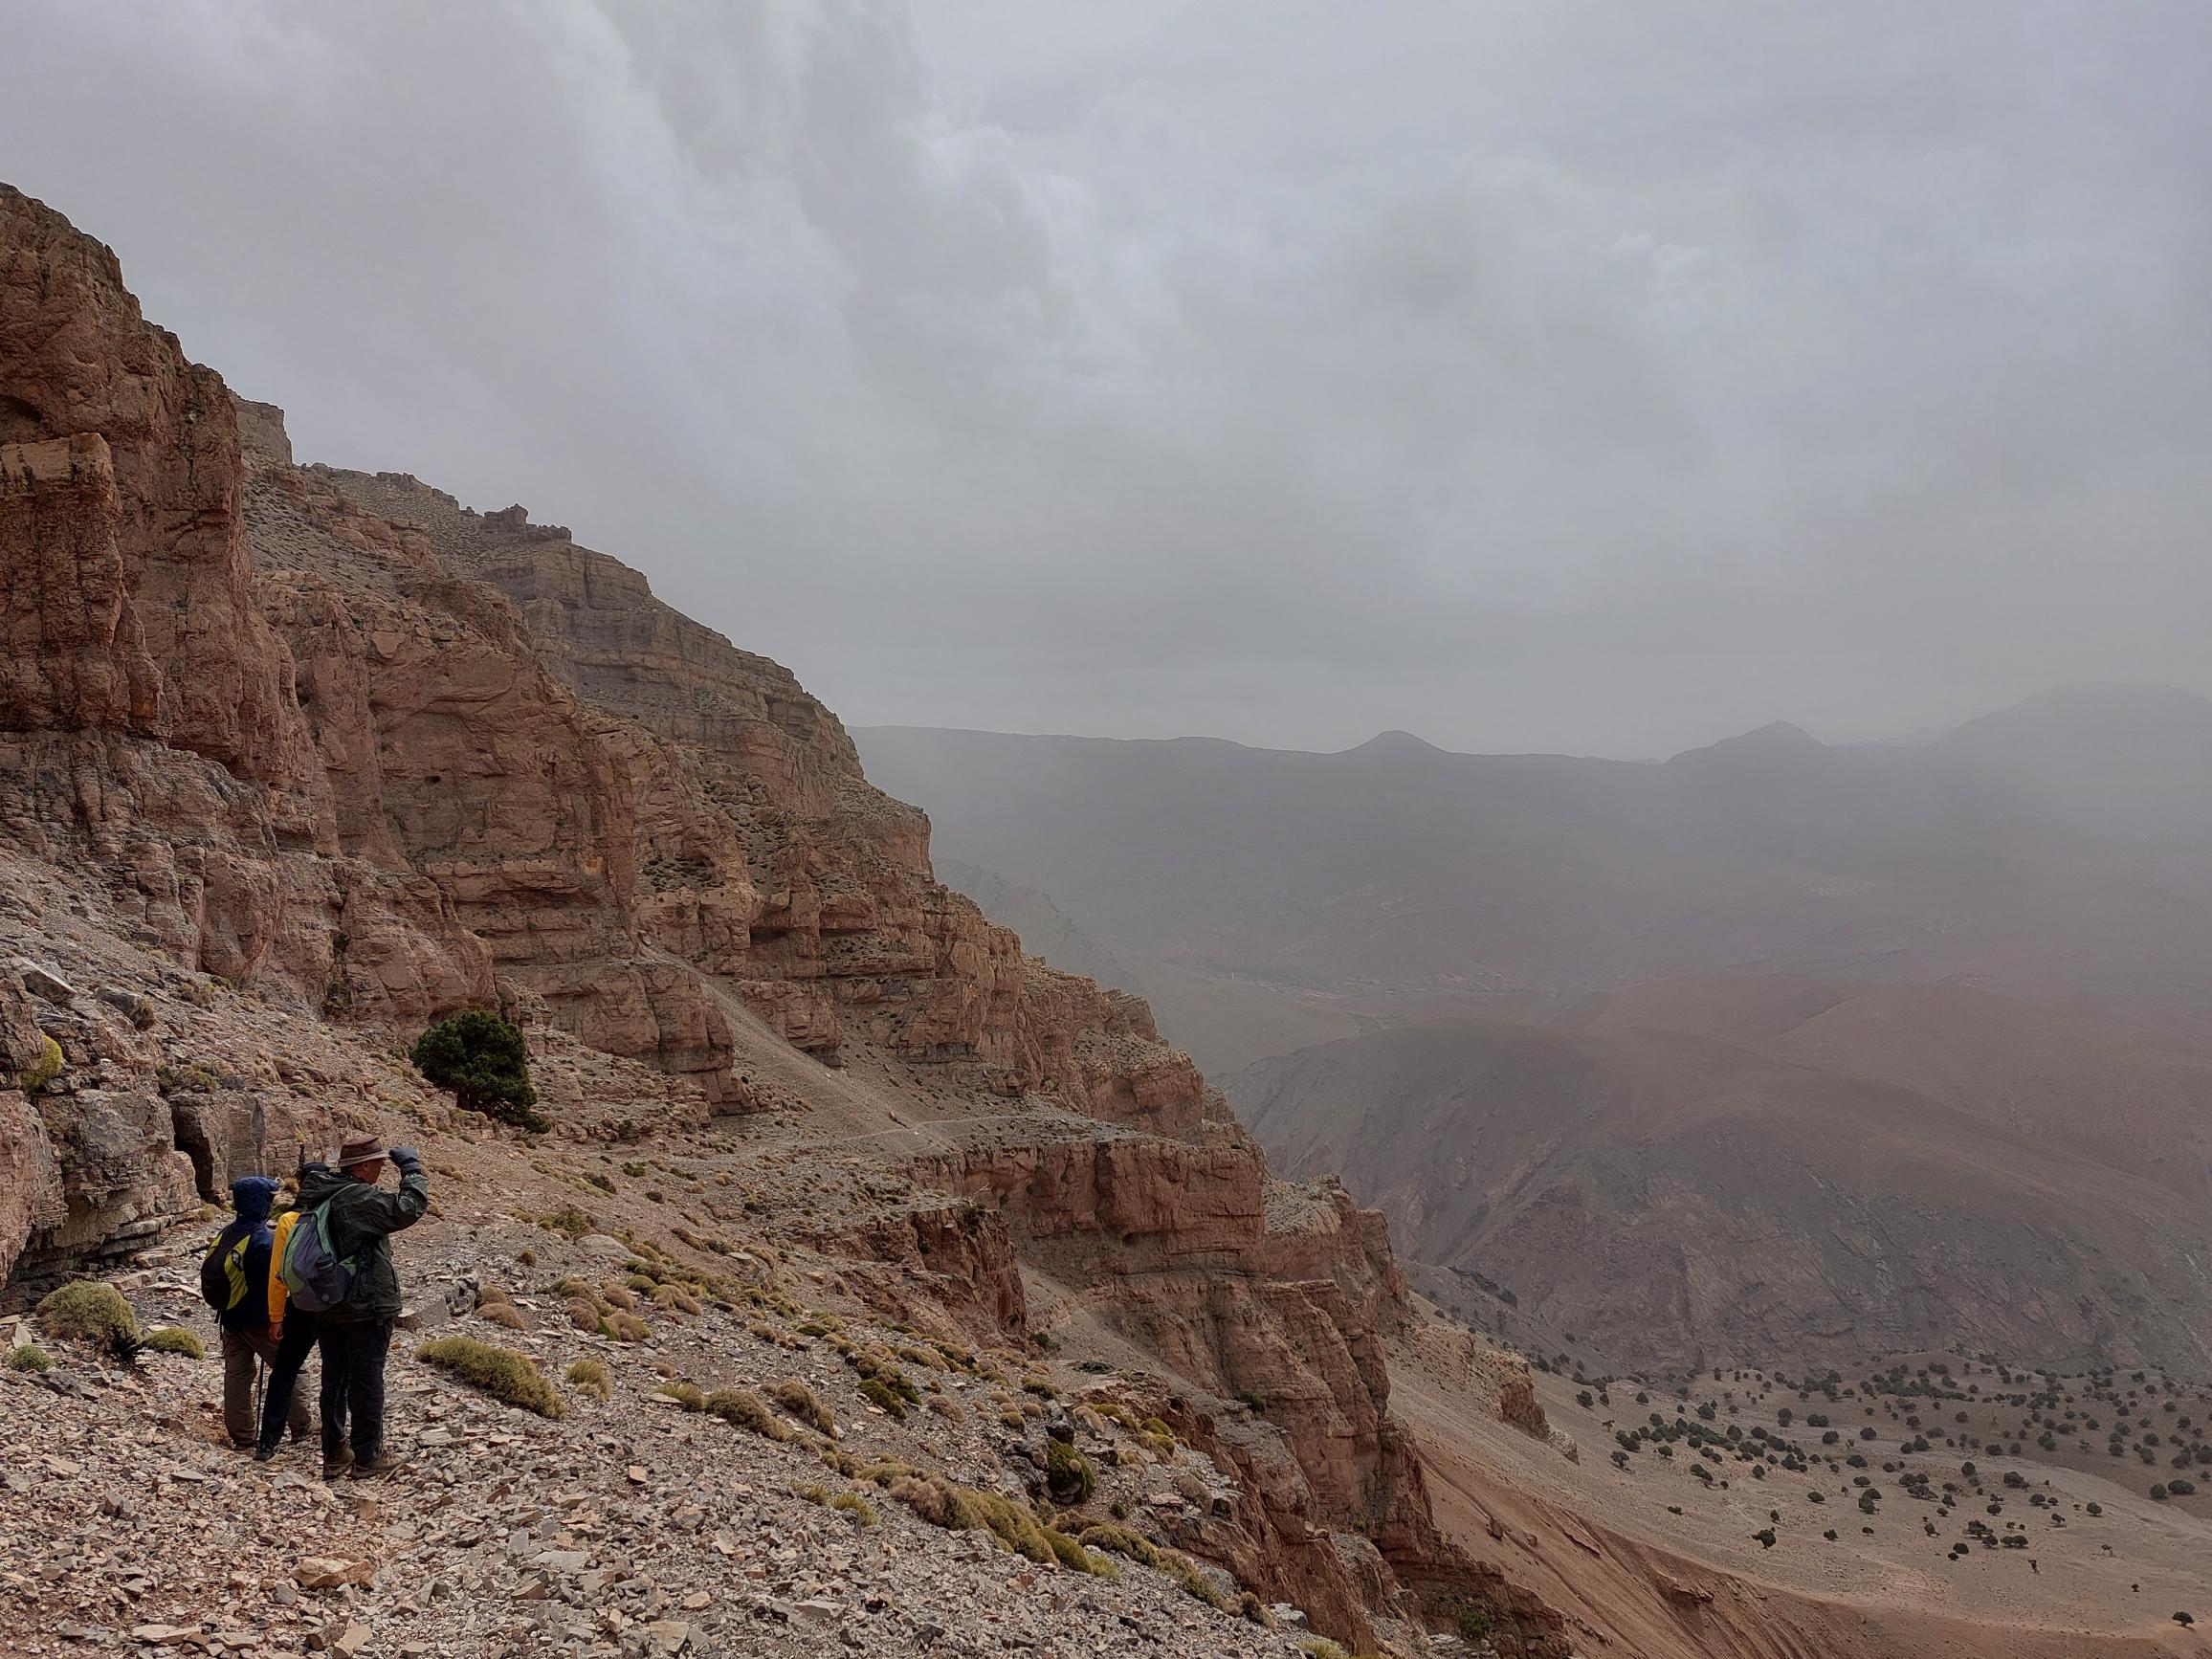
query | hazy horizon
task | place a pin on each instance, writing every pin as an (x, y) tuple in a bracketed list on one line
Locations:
[(1583, 378), (1924, 733)]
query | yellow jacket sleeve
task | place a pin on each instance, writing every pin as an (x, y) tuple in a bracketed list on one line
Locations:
[(281, 1235)]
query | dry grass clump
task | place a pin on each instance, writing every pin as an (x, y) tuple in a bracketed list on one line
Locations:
[(675, 1299), (569, 1221), (853, 1504), (942, 1503), (1122, 1541), (802, 1402), (883, 1383), (877, 1394), (1193, 1581), (590, 1376), (507, 1376), (625, 1327), (496, 1307), (742, 1409), (688, 1395), (176, 1339), (948, 1408), (88, 1310)]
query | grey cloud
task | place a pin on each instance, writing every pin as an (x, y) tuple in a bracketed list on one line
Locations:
[(1595, 376)]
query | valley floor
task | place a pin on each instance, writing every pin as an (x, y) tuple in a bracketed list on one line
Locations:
[(1697, 1583)]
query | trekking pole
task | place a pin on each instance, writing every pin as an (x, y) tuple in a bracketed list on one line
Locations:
[(260, 1371)]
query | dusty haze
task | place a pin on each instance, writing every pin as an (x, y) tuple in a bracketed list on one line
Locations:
[(1588, 377)]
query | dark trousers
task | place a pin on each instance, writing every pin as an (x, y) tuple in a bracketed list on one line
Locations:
[(353, 1357), (300, 1332), (243, 1351)]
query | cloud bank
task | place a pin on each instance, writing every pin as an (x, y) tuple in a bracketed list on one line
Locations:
[(1588, 375)]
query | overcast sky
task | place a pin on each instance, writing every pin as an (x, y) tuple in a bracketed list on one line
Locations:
[(1554, 374)]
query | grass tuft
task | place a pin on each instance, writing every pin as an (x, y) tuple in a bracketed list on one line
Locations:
[(176, 1339), (590, 1376), (801, 1402), (742, 1409), (505, 1375)]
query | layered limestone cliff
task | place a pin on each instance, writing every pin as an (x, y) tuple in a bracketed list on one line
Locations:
[(287, 748), (1270, 1303)]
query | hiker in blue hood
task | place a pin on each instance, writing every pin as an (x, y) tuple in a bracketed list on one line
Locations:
[(234, 1280)]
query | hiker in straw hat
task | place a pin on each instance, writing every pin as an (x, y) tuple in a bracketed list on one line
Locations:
[(336, 1265)]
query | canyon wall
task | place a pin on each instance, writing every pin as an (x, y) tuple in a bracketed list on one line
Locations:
[(294, 744), (335, 739)]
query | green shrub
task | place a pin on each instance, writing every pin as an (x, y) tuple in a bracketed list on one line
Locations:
[(45, 1069), (1068, 1474), (505, 1375), (176, 1339), (29, 1358), (480, 1059), (88, 1310), (590, 1376)]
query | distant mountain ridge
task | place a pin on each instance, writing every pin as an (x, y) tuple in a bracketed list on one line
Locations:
[(2062, 848)]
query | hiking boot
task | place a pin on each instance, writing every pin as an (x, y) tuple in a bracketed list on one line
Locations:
[(264, 1453), (382, 1463), (335, 1467)]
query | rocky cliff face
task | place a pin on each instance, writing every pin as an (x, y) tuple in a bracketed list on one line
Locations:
[(294, 759), (1271, 1303), (404, 752)]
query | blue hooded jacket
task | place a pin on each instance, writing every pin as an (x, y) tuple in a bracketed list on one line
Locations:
[(250, 1196)]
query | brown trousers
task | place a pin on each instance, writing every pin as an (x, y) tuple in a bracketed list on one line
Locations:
[(242, 1351)]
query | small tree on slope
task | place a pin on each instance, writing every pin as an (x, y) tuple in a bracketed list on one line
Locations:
[(480, 1059)]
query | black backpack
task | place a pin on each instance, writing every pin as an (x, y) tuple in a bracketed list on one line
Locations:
[(222, 1270)]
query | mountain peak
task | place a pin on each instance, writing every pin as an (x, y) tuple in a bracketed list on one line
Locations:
[(1775, 740), (1395, 743)]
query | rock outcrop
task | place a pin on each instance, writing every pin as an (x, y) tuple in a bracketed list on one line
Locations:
[(1271, 1303)]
